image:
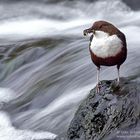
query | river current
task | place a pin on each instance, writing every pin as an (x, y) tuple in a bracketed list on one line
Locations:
[(45, 65)]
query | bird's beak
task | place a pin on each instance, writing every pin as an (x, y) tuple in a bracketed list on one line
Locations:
[(87, 31)]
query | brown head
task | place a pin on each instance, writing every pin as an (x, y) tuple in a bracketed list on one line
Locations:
[(102, 26)]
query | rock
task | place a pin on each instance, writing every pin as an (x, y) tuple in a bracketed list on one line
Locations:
[(103, 115)]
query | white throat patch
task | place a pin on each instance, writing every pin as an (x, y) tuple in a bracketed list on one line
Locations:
[(103, 45)]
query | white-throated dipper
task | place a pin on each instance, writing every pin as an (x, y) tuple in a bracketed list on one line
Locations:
[(107, 46)]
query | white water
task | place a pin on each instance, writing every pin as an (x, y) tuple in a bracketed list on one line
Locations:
[(8, 132), (80, 14), (42, 88)]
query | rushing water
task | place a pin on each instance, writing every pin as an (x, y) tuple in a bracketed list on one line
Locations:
[(45, 67)]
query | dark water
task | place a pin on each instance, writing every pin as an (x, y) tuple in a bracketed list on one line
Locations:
[(45, 64)]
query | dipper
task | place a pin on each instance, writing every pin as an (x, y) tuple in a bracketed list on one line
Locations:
[(107, 46)]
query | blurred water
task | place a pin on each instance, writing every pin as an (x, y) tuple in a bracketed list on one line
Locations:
[(45, 63)]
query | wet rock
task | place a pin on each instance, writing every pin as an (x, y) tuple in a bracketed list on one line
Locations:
[(103, 115)]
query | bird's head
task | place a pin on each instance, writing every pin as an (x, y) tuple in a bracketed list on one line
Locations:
[(101, 26)]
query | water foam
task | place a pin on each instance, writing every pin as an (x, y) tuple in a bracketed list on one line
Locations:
[(37, 27), (6, 94), (8, 132)]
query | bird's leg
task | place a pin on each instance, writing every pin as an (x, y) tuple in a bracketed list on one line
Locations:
[(97, 86), (118, 70)]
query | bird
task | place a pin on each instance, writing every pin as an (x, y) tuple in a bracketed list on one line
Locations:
[(107, 46)]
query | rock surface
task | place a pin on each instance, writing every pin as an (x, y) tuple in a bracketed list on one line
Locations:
[(104, 115)]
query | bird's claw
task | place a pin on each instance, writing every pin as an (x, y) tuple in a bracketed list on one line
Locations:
[(98, 88)]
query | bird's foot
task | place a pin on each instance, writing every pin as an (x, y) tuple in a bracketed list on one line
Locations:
[(98, 88), (118, 82)]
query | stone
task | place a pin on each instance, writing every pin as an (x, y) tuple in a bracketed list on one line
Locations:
[(103, 115)]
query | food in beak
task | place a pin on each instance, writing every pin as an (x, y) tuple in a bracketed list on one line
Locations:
[(85, 32)]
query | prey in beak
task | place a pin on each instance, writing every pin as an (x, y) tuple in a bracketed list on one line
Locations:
[(88, 31), (85, 32)]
